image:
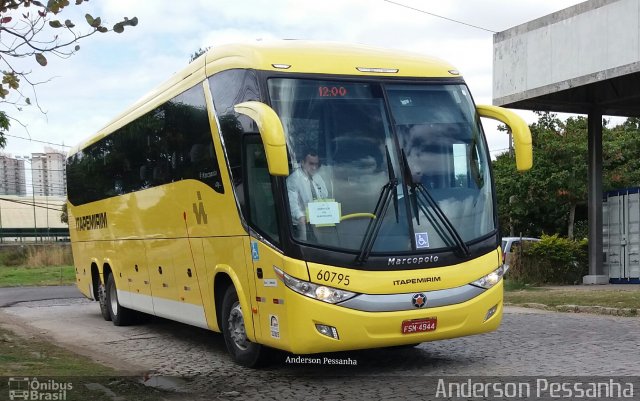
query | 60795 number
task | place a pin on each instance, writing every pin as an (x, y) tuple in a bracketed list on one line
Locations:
[(332, 277)]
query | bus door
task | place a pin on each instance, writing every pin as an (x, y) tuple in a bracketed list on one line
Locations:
[(261, 215)]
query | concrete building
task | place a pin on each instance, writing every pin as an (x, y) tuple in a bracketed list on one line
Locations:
[(584, 59), (12, 176), (48, 173)]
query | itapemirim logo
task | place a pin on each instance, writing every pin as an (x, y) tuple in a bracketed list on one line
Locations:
[(31, 389)]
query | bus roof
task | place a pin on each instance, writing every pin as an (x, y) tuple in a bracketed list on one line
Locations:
[(323, 57), (292, 56)]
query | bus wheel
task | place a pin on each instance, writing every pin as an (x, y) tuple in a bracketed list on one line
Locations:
[(120, 315), (243, 351), (102, 300)]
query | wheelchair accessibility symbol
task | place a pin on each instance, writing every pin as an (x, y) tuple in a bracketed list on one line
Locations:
[(422, 240), (255, 255)]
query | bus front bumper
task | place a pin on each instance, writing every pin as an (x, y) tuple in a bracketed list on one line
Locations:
[(360, 330)]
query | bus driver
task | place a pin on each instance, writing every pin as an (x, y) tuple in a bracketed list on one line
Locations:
[(304, 185)]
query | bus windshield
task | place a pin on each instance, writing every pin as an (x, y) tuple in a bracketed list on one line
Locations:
[(404, 164)]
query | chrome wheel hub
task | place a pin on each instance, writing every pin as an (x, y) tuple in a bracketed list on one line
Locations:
[(236, 327), (113, 296)]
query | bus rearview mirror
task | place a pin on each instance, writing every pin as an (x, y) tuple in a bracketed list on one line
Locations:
[(272, 135), (519, 129)]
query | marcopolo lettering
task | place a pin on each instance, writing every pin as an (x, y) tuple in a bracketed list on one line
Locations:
[(91, 222), (412, 261)]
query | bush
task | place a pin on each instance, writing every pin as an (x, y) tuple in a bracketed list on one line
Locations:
[(36, 255), (552, 260), (13, 255)]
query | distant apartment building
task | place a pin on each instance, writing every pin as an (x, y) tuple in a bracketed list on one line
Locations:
[(48, 173), (12, 176)]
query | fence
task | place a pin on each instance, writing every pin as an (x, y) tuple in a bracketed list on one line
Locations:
[(40, 234)]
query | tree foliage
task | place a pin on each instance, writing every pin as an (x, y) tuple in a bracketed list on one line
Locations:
[(31, 29), (64, 214), (545, 199), (621, 147)]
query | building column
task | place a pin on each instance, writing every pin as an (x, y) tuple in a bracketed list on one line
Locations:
[(596, 268)]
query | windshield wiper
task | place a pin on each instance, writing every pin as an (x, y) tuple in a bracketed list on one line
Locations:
[(431, 209), (389, 190)]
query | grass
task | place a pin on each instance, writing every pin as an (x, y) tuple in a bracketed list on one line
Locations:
[(611, 299), (553, 297), (21, 356), (35, 276), (30, 357), (510, 285)]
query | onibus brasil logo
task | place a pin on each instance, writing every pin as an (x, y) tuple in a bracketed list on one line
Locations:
[(31, 389)]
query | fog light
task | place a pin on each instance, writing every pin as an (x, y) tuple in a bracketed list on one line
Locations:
[(327, 331), (491, 312)]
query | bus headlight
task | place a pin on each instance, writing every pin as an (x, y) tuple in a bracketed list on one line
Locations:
[(320, 292), (490, 279)]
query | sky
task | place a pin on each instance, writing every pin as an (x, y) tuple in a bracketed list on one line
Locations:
[(111, 71)]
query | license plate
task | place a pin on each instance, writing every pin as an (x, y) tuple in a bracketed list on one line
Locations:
[(419, 325)]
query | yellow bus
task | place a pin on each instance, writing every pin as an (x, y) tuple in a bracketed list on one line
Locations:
[(299, 196)]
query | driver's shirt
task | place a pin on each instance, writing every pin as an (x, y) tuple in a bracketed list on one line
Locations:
[(303, 189)]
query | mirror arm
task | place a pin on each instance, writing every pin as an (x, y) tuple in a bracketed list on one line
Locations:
[(520, 130), (271, 132)]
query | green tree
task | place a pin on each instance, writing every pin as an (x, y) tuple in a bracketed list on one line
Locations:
[(539, 200), (545, 199), (568, 152), (621, 164), (64, 215), (30, 29)]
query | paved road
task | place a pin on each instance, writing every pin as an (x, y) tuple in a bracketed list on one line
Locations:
[(529, 343), (13, 295)]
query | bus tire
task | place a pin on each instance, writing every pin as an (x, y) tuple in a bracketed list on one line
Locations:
[(243, 351), (120, 316), (102, 300)]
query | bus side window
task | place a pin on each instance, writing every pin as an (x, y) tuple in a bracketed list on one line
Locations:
[(229, 88), (262, 211)]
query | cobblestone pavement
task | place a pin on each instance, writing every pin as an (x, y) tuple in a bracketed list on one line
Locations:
[(529, 343)]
